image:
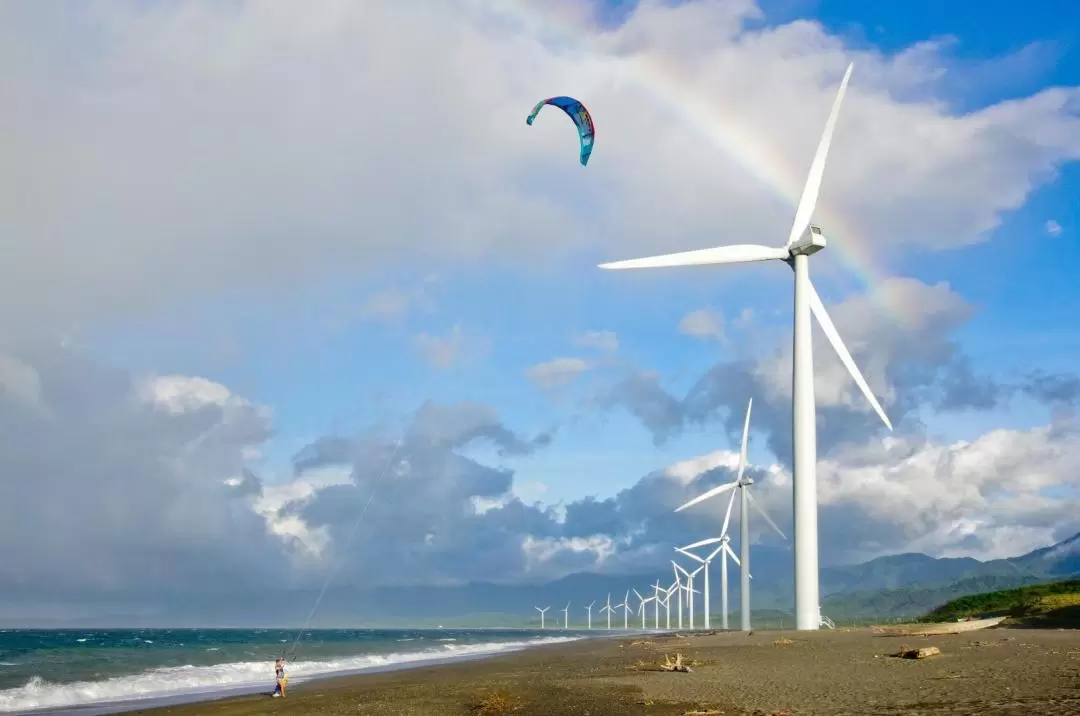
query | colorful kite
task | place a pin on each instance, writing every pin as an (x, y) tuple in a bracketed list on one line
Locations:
[(581, 117)]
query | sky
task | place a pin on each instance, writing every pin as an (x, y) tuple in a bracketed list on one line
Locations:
[(266, 264)]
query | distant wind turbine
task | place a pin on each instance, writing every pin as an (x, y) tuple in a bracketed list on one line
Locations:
[(626, 610), (804, 240), (678, 568), (566, 616), (589, 608), (607, 608), (656, 604), (542, 612), (642, 601), (742, 483)]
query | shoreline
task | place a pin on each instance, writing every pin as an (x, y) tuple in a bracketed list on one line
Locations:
[(214, 694), (850, 671)]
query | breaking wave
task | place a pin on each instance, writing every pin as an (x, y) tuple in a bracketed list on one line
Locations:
[(197, 680)]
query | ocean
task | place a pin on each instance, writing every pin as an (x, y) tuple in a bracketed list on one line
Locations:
[(57, 670)]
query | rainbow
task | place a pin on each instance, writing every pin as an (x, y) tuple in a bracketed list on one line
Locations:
[(735, 140)]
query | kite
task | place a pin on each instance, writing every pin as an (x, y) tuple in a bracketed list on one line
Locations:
[(578, 113)]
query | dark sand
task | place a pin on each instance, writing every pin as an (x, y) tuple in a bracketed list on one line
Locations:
[(995, 671)]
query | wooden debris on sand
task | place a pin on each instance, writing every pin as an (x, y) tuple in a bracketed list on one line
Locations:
[(676, 665), (937, 629), (783, 640), (924, 653)]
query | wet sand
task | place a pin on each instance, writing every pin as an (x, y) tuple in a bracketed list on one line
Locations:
[(765, 673)]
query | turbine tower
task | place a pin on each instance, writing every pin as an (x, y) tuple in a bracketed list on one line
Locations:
[(607, 608), (679, 592), (566, 616), (626, 611), (742, 484), (589, 608), (542, 612), (656, 604), (804, 240)]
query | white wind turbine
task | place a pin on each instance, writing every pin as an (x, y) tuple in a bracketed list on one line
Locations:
[(607, 608), (626, 611), (542, 612), (690, 592), (656, 604), (741, 483), (678, 589), (705, 561), (566, 616), (589, 608), (673, 588), (641, 607), (804, 240)]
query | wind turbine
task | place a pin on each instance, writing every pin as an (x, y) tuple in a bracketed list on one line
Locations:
[(705, 561), (672, 589), (742, 483), (542, 611), (804, 240), (566, 616), (679, 592), (641, 607), (589, 608), (608, 609), (656, 604), (690, 592), (626, 611)]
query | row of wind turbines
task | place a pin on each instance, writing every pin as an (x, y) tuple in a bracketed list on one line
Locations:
[(683, 586), (804, 240)]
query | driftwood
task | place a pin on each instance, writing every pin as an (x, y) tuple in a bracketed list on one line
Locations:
[(676, 665), (938, 629), (923, 653)]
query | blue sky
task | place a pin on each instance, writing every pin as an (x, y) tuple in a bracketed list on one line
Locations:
[(223, 203)]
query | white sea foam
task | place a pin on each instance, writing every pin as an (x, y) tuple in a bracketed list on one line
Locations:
[(182, 680)]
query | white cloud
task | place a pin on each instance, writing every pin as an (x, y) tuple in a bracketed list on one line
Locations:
[(181, 393), (980, 498), (231, 188), (704, 324), (556, 373), (277, 505), (686, 471), (598, 340), (1053, 228), (442, 352)]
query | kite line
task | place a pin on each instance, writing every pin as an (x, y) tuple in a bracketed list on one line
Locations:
[(348, 541)]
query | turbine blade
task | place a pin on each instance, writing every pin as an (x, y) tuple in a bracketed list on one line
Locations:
[(702, 543), (711, 493), (727, 515), (736, 254), (745, 438), (691, 555), (818, 309), (731, 553), (761, 511), (809, 198), (715, 552)]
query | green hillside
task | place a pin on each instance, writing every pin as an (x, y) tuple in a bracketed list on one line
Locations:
[(1054, 604)]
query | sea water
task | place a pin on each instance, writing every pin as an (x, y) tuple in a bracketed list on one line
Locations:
[(61, 669)]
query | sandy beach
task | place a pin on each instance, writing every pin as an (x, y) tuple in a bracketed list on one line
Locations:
[(994, 671)]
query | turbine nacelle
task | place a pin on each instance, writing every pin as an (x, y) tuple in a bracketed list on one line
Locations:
[(811, 241)]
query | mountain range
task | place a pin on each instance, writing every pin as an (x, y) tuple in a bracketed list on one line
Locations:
[(896, 586)]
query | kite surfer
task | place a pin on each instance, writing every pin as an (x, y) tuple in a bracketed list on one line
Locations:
[(280, 677)]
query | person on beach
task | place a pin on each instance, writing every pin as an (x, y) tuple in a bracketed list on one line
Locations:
[(280, 677)]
